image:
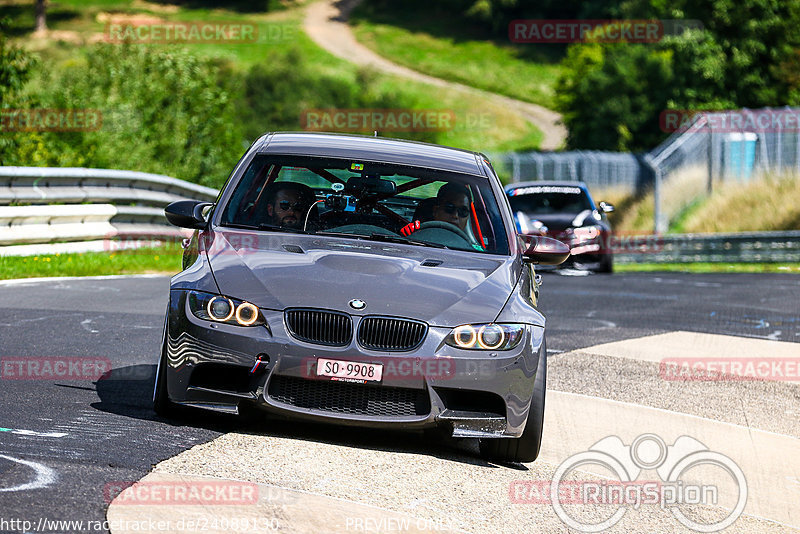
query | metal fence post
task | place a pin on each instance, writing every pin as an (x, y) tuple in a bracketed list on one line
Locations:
[(658, 219), (515, 171), (710, 156)]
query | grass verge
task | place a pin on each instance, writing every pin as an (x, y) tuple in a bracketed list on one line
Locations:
[(166, 260), (163, 260), (766, 203), (430, 39), (708, 267)]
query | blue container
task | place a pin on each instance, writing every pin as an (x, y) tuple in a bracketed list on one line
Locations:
[(739, 153)]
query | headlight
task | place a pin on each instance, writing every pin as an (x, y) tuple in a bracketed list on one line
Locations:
[(586, 233), (490, 336), (222, 309)]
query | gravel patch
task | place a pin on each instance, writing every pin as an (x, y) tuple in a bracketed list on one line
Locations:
[(446, 486), (766, 405)]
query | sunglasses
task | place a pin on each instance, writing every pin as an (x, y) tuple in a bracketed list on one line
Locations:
[(285, 205), (451, 208)]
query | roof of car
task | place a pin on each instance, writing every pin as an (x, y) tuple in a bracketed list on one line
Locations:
[(361, 147), (561, 183)]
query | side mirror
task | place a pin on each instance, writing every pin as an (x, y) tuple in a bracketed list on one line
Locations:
[(545, 251), (605, 207), (187, 214)]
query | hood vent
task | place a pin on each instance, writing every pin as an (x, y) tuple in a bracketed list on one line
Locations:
[(293, 248), (431, 263)]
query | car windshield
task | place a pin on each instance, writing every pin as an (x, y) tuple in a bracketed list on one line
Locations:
[(368, 200), (546, 199)]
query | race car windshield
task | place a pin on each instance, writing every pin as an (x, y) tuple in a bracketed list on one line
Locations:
[(368, 200), (542, 200)]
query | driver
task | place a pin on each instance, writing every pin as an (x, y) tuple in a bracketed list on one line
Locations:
[(452, 206), (288, 204)]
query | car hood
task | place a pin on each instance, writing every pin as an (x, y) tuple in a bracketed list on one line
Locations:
[(279, 271)]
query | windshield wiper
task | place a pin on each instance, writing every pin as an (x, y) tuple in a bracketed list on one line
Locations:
[(404, 240), (279, 228), (383, 237)]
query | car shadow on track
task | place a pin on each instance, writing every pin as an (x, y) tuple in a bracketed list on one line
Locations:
[(128, 391)]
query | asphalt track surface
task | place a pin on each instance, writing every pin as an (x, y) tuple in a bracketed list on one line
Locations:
[(80, 436)]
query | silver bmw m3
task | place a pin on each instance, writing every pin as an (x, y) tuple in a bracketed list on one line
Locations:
[(361, 281)]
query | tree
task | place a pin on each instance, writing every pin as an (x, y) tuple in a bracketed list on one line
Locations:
[(611, 95), (15, 66), (41, 15)]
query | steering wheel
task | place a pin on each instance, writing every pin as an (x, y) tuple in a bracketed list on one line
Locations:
[(446, 226)]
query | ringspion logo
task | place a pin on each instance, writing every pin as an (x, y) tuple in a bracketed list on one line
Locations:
[(603, 501)]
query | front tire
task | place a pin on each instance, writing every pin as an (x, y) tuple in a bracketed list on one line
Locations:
[(161, 403), (607, 264), (526, 447)]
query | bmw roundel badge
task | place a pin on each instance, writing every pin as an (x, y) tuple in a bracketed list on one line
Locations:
[(357, 304)]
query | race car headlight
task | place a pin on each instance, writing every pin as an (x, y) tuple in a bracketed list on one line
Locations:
[(490, 336), (586, 233), (223, 309)]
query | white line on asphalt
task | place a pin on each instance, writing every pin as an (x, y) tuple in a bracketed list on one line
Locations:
[(34, 433), (44, 475)]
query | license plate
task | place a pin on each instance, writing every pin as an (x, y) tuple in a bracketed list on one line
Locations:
[(344, 371)]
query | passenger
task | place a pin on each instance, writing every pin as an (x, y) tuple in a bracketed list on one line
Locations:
[(288, 204)]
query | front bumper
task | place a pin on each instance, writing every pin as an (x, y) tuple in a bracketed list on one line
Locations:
[(472, 393)]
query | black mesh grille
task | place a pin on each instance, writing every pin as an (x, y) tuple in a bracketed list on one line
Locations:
[(391, 334), (347, 398), (319, 326)]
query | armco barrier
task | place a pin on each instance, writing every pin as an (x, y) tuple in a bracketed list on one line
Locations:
[(81, 209), (749, 247), (73, 185), (93, 205)]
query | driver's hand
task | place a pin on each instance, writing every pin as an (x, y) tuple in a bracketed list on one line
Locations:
[(410, 228)]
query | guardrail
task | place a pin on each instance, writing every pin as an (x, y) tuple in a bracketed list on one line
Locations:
[(77, 209), (95, 207), (746, 247), (75, 185)]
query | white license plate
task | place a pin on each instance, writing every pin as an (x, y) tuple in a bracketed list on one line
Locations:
[(345, 371)]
